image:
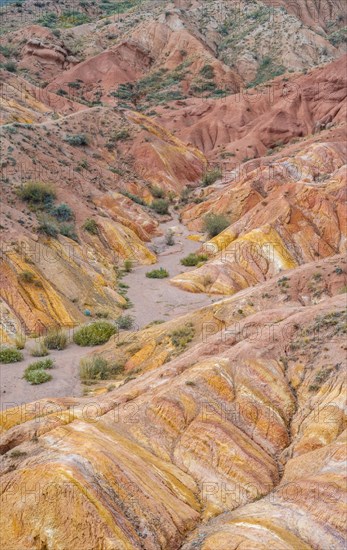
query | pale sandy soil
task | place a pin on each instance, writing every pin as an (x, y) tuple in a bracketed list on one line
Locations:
[(65, 378), (153, 300), (157, 299)]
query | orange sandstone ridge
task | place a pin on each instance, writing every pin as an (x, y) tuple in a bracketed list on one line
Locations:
[(243, 426)]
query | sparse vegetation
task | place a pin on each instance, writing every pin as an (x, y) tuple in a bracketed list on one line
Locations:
[(157, 192), (26, 277), (194, 259), (338, 37), (214, 224), (10, 355), (134, 198), (10, 66), (20, 341), (68, 230), (321, 377), (283, 282), (169, 238), (98, 368), (62, 212), (181, 337), (95, 334), (122, 135), (91, 226), (43, 364), (211, 176), (17, 453), (47, 227), (160, 206), (77, 140), (160, 273), (267, 70), (39, 350), (56, 339), (37, 193), (125, 322), (128, 265), (37, 376), (35, 372)]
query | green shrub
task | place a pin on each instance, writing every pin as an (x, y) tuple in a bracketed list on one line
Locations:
[(122, 135), (169, 238), (134, 198), (267, 70), (68, 230), (122, 285), (94, 334), (338, 37), (321, 377), (37, 193), (77, 140), (71, 18), (43, 364), (91, 226), (194, 259), (211, 176), (182, 336), (128, 304), (185, 195), (49, 228), (6, 51), (62, 212), (75, 85), (10, 66), (10, 355), (157, 274), (26, 277), (37, 376), (128, 266), (125, 322), (102, 314), (56, 339), (39, 350), (157, 192), (98, 368), (207, 71), (215, 224), (160, 206), (20, 341), (49, 20)]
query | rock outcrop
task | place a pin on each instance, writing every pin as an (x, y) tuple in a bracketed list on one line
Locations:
[(286, 213), (249, 421)]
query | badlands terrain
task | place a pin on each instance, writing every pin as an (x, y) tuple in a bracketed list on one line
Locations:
[(173, 173)]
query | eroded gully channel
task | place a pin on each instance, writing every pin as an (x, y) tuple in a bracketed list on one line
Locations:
[(153, 300), (157, 299)]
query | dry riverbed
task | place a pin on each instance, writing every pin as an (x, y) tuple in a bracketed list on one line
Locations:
[(152, 299), (157, 299)]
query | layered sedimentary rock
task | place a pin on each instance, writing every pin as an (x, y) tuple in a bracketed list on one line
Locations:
[(237, 423), (249, 124), (50, 279), (286, 213)]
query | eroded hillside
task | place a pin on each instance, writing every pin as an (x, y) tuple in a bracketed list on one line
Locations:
[(251, 413), (191, 157)]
